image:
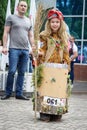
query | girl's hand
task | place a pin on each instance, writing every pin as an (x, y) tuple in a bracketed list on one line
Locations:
[(40, 53)]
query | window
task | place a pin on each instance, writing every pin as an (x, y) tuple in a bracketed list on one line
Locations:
[(70, 7), (86, 7), (75, 26), (75, 15), (84, 52), (85, 28)]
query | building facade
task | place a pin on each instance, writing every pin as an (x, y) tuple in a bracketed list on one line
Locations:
[(75, 15)]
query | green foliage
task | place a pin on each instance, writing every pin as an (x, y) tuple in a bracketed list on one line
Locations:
[(37, 76), (69, 86), (12, 6), (60, 110), (3, 5)]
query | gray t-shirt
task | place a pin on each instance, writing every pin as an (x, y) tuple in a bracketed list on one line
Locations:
[(19, 31)]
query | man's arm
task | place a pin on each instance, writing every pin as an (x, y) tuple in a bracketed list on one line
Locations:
[(5, 39), (31, 38), (32, 42), (75, 52)]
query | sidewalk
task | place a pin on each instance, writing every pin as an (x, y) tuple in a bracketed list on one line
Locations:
[(19, 115), (79, 87)]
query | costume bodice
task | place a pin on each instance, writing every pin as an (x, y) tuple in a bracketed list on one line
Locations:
[(53, 50)]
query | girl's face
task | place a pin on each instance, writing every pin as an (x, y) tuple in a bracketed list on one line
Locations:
[(55, 24)]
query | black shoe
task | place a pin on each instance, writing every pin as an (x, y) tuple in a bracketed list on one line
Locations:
[(5, 97), (44, 117), (22, 97)]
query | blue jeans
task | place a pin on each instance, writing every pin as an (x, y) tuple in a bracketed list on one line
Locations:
[(18, 60), (72, 71)]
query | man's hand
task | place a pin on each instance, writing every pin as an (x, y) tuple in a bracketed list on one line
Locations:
[(33, 48), (4, 50)]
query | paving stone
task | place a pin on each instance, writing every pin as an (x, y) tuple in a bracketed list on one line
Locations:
[(19, 115)]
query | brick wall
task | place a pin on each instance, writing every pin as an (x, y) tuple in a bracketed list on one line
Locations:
[(80, 72)]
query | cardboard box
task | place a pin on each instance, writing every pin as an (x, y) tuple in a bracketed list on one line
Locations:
[(54, 82)]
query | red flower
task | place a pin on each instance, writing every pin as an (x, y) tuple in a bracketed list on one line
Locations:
[(57, 44)]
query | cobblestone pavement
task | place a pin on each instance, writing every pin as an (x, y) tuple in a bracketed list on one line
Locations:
[(18, 115)]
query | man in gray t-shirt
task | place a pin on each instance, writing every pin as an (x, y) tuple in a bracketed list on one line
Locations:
[(20, 30)]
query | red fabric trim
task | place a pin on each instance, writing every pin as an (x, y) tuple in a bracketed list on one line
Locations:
[(52, 12)]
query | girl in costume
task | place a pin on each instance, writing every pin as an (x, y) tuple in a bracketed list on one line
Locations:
[(54, 46)]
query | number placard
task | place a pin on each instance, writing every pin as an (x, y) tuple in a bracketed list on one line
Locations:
[(55, 101)]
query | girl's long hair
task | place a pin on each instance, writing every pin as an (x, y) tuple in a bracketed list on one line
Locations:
[(61, 33)]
